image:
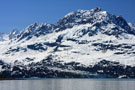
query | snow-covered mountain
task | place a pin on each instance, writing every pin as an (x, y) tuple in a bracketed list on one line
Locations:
[(10, 36), (13, 34), (84, 43), (35, 30)]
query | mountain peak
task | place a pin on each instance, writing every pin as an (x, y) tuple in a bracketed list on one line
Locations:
[(83, 41), (35, 30), (83, 12), (13, 33), (84, 16), (96, 17), (97, 9), (104, 22)]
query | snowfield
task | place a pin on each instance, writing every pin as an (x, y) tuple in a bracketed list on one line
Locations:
[(86, 37)]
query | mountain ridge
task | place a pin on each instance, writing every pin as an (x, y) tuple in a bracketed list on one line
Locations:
[(84, 43)]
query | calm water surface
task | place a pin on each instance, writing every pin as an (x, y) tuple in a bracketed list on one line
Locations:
[(68, 84)]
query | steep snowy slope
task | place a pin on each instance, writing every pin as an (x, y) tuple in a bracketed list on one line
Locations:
[(82, 44)]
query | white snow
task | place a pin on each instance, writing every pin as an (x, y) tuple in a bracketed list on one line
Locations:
[(83, 53), (86, 53)]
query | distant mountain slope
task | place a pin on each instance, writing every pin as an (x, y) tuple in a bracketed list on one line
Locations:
[(1, 36)]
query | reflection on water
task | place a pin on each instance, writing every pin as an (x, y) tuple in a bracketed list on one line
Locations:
[(68, 84)]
